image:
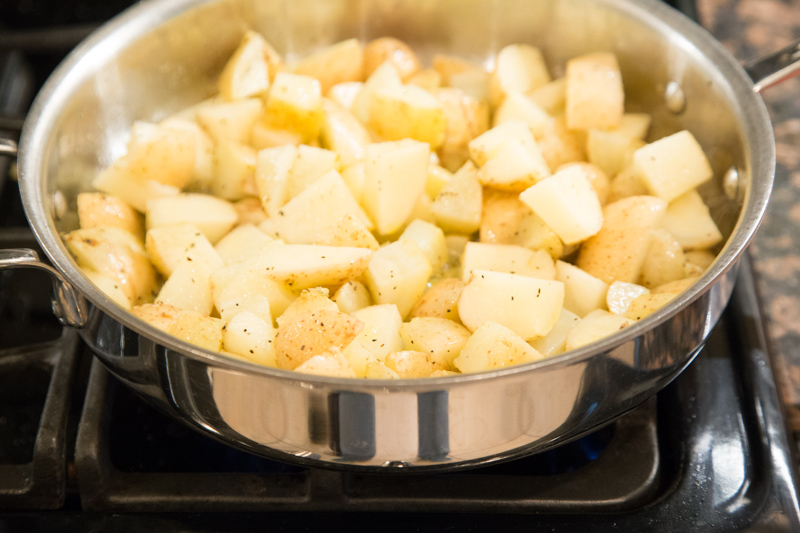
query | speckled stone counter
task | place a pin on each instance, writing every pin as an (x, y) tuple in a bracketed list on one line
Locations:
[(749, 29)]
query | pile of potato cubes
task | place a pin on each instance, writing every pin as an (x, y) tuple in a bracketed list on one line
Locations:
[(358, 215)]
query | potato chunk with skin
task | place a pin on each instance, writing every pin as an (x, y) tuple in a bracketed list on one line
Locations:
[(567, 203), (665, 260), (583, 292), (97, 209), (213, 216), (465, 118), (647, 304), (437, 336), (307, 335), (414, 364), (528, 306), (160, 316), (338, 63), (595, 326), (618, 250), (595, 97), (688, 219), (309, 302), (502, 214), (672, 166), (248, 335), (199, 330), (378, 370), (458, 207), (161, 154), (520, 68), (506, 258), (407, 112), (348, 231), (235, 287), (494, 346), (398, 274), (555, 342), (383, 49), (295, 104), (533, 233), (441, 300), (331, 363)]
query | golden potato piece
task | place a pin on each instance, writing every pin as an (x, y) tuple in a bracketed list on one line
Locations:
[(441, 300), (388, 48), (97, 209), (307, 335)]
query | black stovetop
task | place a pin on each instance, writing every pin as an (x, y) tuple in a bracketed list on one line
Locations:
[(78, 451)]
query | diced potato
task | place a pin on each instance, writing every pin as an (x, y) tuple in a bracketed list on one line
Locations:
[(621, 294), (116, 254), (97, 209), (360, 359), (494, 346), (414, 364), (197, 329), (345, 93), (430, 239), (398, 274), (689, 221), (440, 301), (379, 370), (595, 97), (354, 176), (295, 104), (246, 334), (486, 145), (502, 214), (528, 306), (118, 181), (203, 168), (519, 68), (672, 166), (449, 67), (676, 287), (567, 203), (599, 180), (583, 293), (241, 243), (351, 297), (595, 326), (273, 168), (160, 316), (405, 112), (188, 288), (110, 288), (379, 337), (506, 258), (235, 288), (438, 336), (647, 304), (533, 233), (619, 249), (311, 164), (437, 177), (665, 260), (264, 137), (343, 133), (213, 216), (161, 154), (170, 246), (394, 179), (514, 166), (230, 120), (250, 211), (338, 63), (312, 213), (611, 150), (697, 261), (307, 335), (555, 342), (552, 96), (249, 70), (518, 106), (384, 49), (559, 145), (458, 207), (625, 184), (234, 170), (386, 76), (634, 125), (347, 231), (427, 79), (465, 118), (310, 302), (327, 365)]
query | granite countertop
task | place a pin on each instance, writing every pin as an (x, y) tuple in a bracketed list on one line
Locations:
[(749, 29)]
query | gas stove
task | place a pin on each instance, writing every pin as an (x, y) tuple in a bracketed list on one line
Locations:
[(78, 451)]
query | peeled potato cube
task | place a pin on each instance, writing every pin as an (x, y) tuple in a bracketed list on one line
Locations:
[(110, 288), (583, 293), (440, 301), (405, 112), (506, 258), (189, 288), (518, 106), (117, 180), (161, 154), (485, 146), (560, 145), (665, 260), (348, 231), (244, 287), (634, 125), (555, 342), (611, 150), (672, 166), (394, 179), (597, 325), (203, 168), (351, 297), (309, 334), (437, 177), (379, 337), (415, 364), (621, 294), (567, 203), (345, 93), (295, 104), (398, 274), (302, 266), (528, 306), (327, 365), (385, 76), (213, 216), (248, 335), (697, 261), (272, 172), (625, 184), (230, 120), (519, 68), (394, 50), (457, 208), (241, 243), (688, 219), (263, 137), (430, 239), (595, 97), (234, 170), (437, 336), (199, 330), (97, 209), (551, 97), (533, 233), (311, 164), (647, 304), (343, 133), (493, 346), (338, 63), (160, 316), (427, 79), (617, 252), (248, 72), (676, 287), (172, 245), (515, 166), (378, 370), (310, 302)]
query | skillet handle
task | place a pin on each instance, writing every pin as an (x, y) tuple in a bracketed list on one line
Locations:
[(69, 305), (775, 68), (8, 148)]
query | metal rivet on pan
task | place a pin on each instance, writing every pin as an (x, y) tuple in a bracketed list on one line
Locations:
[(396, 464), (730, 183), (59, 205), (675, 97)]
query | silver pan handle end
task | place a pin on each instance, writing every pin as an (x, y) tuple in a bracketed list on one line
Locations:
[(775, 68)]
